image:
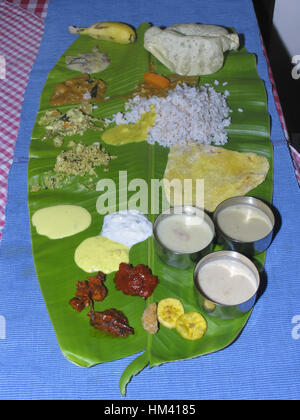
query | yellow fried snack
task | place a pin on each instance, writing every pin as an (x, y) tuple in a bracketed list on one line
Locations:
[(226, 173), (168, 311), (191, 326)]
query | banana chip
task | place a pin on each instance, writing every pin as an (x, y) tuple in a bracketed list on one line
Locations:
[(168, 311), (191, 326)]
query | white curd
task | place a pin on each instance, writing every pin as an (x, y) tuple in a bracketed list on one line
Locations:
[(127, 227)]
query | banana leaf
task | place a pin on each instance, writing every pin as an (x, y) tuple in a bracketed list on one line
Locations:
[(54, 259)]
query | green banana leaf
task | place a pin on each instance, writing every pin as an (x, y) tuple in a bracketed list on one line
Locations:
[(54, 259)]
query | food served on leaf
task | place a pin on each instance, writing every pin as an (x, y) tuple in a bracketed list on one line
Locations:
[(190, 48), (78, 304), (111, 321), (81, 160), (156, 80), (130, 133), (187, 113), (81, 346), (100, 254), (88, 291), (226, 173), (168, 311), (74, 121), (128, 227), (118, 32), (89, 62), (185, 233), (158, 85), (244, 222), (81, 88), (61, 221), (135, 281), (147, 90), (93, 288), (191, 326), (149, 319), (188, 80)]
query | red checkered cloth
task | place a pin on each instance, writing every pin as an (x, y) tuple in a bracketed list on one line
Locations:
[(296, 159), (20, 34), (37, 7)]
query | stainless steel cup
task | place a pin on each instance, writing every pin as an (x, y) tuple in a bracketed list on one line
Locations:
[(214, 308), (247, 248), (183, 260)]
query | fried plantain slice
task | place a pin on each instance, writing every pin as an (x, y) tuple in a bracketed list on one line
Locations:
[(168, 310), (191, 325)]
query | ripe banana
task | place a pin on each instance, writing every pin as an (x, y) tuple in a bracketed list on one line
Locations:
[(107, 31)]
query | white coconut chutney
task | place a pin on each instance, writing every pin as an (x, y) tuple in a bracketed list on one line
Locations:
[(127, 227)]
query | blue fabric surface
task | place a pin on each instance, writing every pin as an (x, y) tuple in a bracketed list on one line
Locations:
[(262, 364)]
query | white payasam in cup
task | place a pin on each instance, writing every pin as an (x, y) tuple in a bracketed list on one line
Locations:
[(182, 234), (226, 284), (244, 223), (227, 281)]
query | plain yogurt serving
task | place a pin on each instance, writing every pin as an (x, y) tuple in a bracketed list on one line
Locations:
[(128, 227)]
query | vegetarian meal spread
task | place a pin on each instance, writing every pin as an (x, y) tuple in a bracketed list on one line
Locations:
[(167, 117)]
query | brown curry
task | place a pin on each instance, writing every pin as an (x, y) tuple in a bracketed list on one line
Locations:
[(82, 88)]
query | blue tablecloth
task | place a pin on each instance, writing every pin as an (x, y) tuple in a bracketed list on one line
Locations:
[(263, 363)]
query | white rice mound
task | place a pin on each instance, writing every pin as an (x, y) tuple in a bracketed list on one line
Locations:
[(186, 114)]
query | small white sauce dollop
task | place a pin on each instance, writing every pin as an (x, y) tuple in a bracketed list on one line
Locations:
[(127, 227)]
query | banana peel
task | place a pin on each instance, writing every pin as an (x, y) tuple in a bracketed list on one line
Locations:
[(118, 32)]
